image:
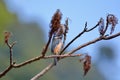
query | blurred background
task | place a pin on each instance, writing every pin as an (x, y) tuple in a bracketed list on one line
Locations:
[(28, 20)]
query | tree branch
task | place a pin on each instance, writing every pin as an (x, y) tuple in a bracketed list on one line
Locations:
[(27, 62), (6, 71), (11, 59), (46, 47), (84, 30), (112, 36), (45, 57), (36, 58), (45, 70), (94, 41)]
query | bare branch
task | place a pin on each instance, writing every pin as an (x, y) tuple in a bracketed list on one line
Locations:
[(112, 36), (27, 62), (45, 57), (74, 39), (6, 71), (43, 72), (10, 46), (11, 51), (106, 27), (63, 56), (36, 58), (46, 47), (84, 30), (92, 27), (94, 41), (84, 45)]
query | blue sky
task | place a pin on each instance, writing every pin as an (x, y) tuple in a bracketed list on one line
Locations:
[(78, 11)]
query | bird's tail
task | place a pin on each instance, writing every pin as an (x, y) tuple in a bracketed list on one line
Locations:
[(55, 61)]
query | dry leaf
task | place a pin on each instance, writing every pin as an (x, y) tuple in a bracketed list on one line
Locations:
[(87, 64), (7, 35)]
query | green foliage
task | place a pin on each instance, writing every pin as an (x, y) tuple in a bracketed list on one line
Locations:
[(6, 19)]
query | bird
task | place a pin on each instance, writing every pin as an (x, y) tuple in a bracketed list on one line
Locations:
[(56, 46), (57, 42)]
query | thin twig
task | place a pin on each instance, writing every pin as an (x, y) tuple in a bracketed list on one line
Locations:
[(6, 71), (62, 56), (46, 47), (92, 27), (112, 36), (106, 27), (84, 30), (51, 65), (94, 41), (27, 62), (45, 57), (11, 59), (43, 72), (10, 48), (86, 44), (74, 39), (36, 58)]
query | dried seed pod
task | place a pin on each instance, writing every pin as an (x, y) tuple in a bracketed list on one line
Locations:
[(87, 64), (7, 36), (112, 20), (55, 22), (86, 59), (101, 26)]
